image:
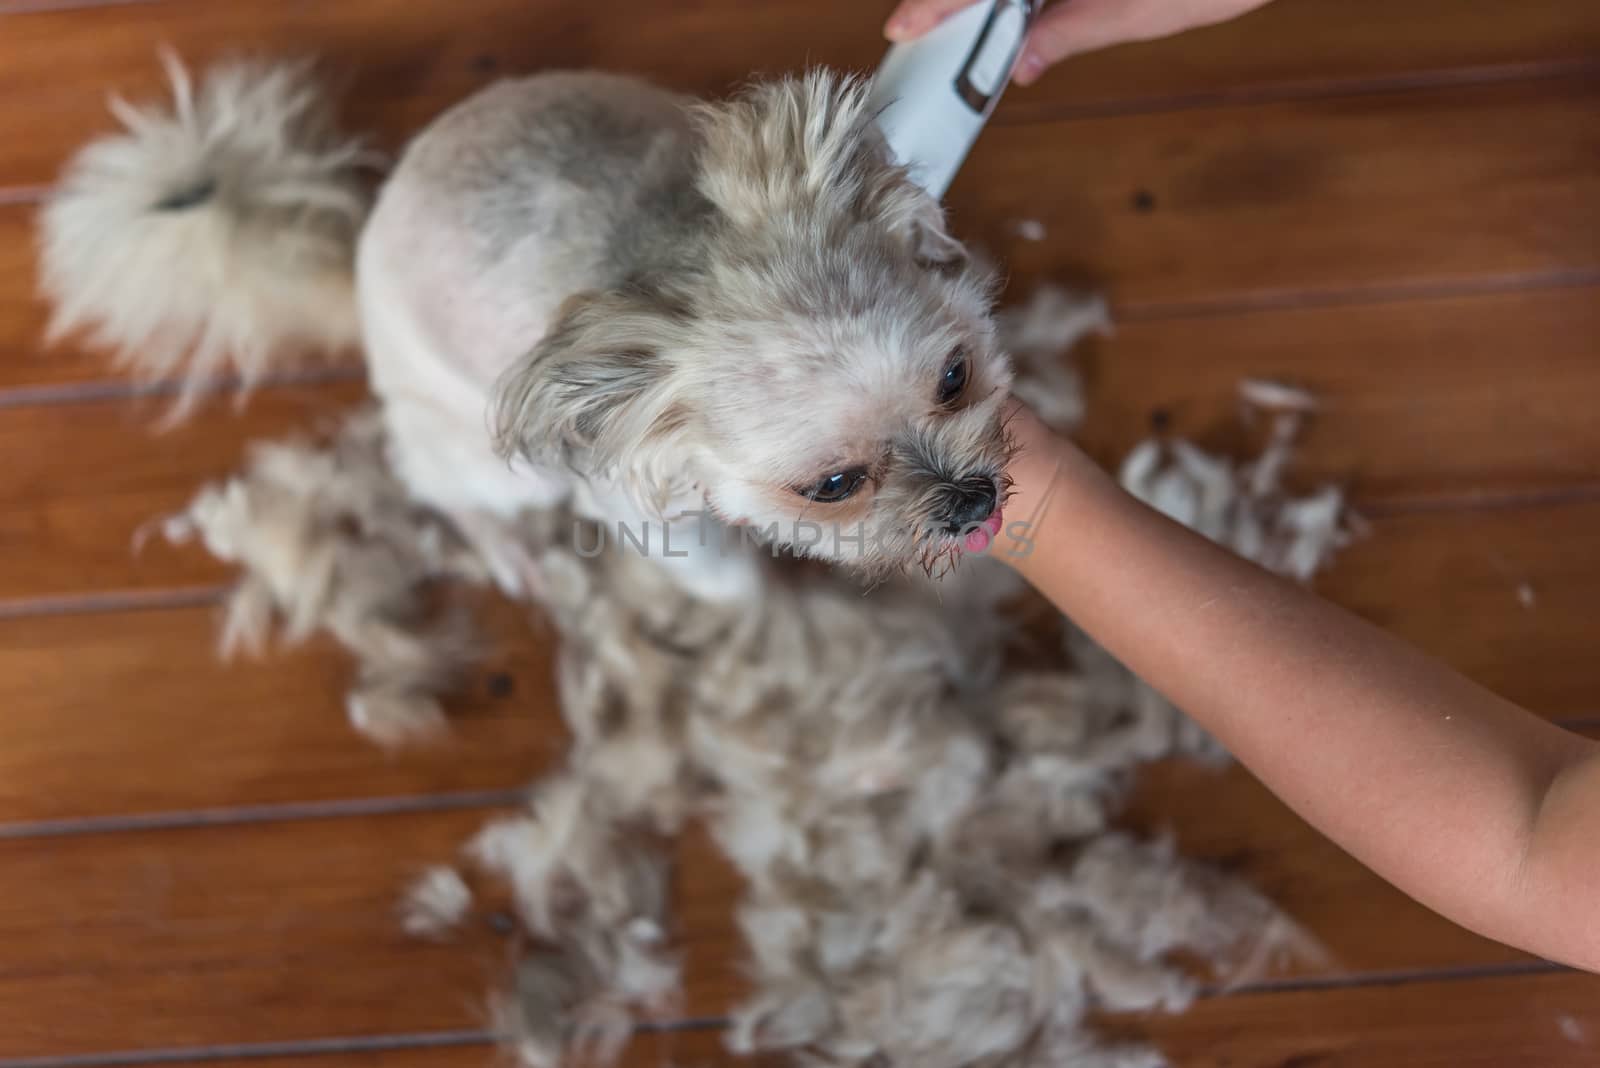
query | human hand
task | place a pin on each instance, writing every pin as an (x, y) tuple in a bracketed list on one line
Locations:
[(1045, 470), (1071, 27)]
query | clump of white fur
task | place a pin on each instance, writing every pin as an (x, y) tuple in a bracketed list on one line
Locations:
[(328, 540), (933, 878), (436, 903), (1038, 335), (1245, 507), (926, 831), (590, 883), (214, 235)]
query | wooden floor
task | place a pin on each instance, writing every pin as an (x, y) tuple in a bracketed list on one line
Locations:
[(1393, 202)]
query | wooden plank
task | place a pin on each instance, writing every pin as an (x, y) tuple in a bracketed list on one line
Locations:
[(84, 478), (131, 714), (1319, 46), (285, 932), (1420, 407), (410, 60), (1505, 596), (698, 1046), (1417, 398), (178, 937), (404, 62), (1449, 397), (81, 480), (276, 931), (23, 359), (1187, 211), (1371, 194), (1548, 1020)]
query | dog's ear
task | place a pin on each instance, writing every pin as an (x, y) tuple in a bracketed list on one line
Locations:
[(596, 382), (807, 150)]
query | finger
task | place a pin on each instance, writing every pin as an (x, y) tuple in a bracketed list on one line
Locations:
[(913, 18), (1067, 30)]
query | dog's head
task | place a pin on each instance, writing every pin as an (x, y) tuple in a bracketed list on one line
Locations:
[(825, 370)]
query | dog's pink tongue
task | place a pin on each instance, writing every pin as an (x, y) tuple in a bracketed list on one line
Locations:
[(979, 539)]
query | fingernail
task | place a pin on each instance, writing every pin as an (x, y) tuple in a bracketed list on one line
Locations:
[(897, 28), (1029, 69)]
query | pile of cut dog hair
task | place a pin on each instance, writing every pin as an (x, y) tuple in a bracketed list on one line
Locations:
[(921, 808)]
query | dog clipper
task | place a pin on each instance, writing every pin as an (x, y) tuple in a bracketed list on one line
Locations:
[(934, 94)]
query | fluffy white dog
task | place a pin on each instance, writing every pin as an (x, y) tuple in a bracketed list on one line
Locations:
[(708, 324)]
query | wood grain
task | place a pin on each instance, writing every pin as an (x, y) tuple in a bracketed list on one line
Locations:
[(1319, 46), (1449, 398), (274, 931), (1273, 203), (1179, 213), (23, 358), (87, 477), (129, 713), (698, 1046), (1390, 204), (1424, 402), (124, 715), (1506, 596), (1550, 1020), (407, 61), (285, 932), (81, 480), (184, 937)]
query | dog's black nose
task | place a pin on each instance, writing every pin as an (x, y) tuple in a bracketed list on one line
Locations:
[(970, 503)]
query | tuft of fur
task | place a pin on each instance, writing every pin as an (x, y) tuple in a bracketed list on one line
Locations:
[(589, 878), (805, 154), (925, 833), (214, 235), (1038, 335), (1245, 507), (435, 904), (328, 540)]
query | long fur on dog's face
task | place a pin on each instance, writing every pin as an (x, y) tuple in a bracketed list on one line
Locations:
[(812, 346)]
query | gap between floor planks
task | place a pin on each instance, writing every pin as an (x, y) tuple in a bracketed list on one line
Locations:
[(1324, 87)]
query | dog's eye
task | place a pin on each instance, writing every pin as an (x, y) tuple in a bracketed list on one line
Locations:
[(836, 487), (954, 382)]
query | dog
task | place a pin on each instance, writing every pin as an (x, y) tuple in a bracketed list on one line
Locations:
[(715, 328)]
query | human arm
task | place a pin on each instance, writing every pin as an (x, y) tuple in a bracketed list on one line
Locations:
[(1470, 804), (1071, 27)]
